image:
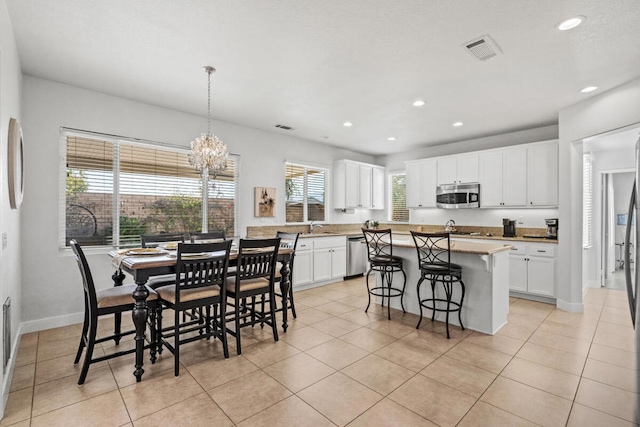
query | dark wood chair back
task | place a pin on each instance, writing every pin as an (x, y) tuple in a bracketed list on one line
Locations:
[(257, 259), (200, 265), (208, 237), (90, 298), (153, 240), (288, 240)]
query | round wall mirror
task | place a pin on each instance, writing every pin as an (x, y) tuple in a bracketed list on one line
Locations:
[(15, 164)]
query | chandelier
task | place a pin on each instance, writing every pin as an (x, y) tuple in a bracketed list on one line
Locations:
[(208, 153)]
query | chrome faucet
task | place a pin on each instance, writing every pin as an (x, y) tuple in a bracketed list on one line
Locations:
[(313, 226), (449, 225)]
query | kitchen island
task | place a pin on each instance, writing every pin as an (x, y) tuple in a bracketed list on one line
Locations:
[(485, 272)]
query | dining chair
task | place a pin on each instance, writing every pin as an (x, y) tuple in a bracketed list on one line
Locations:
[(153, 240), (208, 237), (255, 276), (201, 273), (382, 260), (114, 300), (434, 261), (287, 241)]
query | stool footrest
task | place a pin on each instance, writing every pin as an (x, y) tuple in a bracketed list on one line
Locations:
[(425, 303), (379, 291)]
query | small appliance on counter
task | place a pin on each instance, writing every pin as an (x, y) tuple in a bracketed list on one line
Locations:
[(552, 228), (509, 228)]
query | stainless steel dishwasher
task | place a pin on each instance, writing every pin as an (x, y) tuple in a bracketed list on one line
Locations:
[(356, 256)]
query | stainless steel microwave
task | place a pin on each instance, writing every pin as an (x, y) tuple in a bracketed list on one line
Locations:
[(458, 196)]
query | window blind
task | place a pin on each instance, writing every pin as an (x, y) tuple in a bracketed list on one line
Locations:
[(305, 188), (398, 186), (117, 190), (587, 200)]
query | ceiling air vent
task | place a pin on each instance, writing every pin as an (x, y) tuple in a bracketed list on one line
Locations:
[(285, 127), (482, 48)]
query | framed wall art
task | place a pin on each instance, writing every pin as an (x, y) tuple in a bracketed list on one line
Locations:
[(265, 202)]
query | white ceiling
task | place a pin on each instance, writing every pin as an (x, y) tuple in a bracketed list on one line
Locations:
[(314, 64)]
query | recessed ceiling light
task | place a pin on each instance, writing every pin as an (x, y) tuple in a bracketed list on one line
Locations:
[(325, 137), (347, 124), (588, 89), (571, 23), (458, 124), (418, 103), (391, 138)]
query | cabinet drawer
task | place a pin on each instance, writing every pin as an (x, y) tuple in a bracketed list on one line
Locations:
[(328, 242), (304, 245), (548, 251), (518, 248)]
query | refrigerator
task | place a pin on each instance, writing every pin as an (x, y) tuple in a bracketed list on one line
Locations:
[(632, 277)]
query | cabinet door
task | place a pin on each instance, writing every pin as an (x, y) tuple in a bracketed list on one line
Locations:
[(542, 170), (541, 275), (514, 177), (414, 185), (352, 175), (490, 179), (321, 265), (302, 268), (428, 172), (447, 170), (377, 188), (364, 186), (517, 273), (338, 262), (467, 168)]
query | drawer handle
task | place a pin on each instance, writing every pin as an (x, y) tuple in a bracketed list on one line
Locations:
[(542, 251)]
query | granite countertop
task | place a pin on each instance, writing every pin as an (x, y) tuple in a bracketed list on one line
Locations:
[(458, 246), (491, 237)]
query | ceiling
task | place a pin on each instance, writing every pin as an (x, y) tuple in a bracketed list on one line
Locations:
[(313, 65)]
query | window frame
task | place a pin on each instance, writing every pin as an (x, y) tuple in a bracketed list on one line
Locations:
[(65, 133), (390, 176), (305, 213)]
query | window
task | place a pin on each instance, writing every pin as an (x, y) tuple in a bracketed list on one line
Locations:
[(587, 200), (117, 189), (398, 197), (305, 189)]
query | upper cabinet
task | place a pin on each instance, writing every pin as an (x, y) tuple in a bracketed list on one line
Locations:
[(421, 183), (503, 178), (542, 167), (459, 169), (512, 177), (357, 185)]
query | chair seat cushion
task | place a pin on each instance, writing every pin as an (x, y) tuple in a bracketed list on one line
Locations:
[(247, 285), (120, 295), (386, 259), (440, 268), (168, 293)]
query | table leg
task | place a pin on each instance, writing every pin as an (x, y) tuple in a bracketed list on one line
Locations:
[(118, 279), (140, 313), (285, 282)]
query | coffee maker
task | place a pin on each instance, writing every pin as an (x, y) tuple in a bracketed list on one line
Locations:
[(552, 228), (509, 228)]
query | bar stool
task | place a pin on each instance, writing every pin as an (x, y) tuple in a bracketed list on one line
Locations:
[(434, 260), (381, 259)]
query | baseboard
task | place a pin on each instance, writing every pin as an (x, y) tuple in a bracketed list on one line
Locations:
[(547, 300), (51, 322), (572, 307), (6, 384)]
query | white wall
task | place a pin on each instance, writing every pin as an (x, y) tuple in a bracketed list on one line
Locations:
[(614, 109), (10, 96), (53, 288)]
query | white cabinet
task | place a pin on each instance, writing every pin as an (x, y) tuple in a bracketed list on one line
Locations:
[(459, 169), (357, 185), (303, 263), (421, 184), (542, 167), (329, 258), (532, 269), (503, 177), (319, 259)]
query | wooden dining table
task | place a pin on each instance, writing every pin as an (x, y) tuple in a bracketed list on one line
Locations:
[(144, 267)]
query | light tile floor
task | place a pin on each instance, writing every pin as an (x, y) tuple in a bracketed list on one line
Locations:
[(340, 366)]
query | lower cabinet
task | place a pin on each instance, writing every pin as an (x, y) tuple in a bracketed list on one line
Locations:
[(532, 269), (320, 259)]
